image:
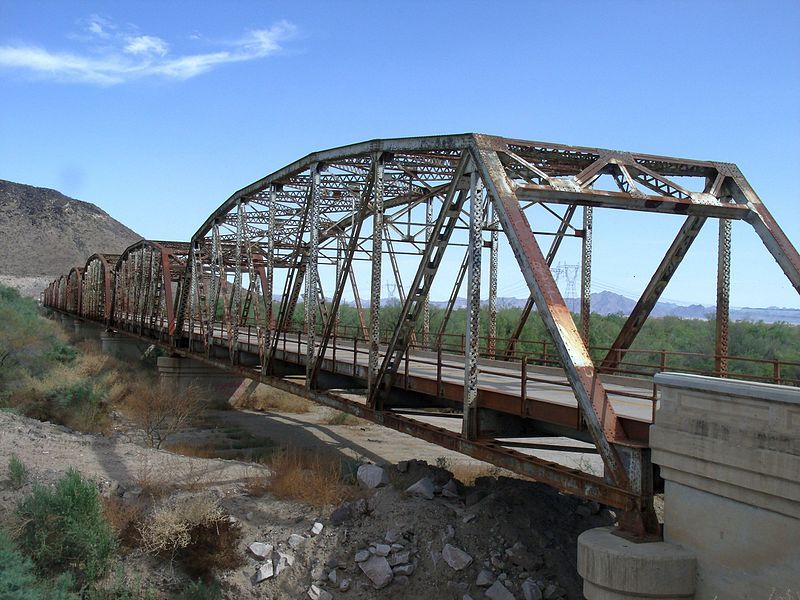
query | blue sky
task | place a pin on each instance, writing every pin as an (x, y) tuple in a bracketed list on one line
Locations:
[(158, 111)]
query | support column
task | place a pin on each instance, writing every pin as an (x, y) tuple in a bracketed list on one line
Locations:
[(491, 348), (586, 273), (426, 308), (122, 347), (215, 385), (311, 299), (269, 265), (375, 289), (723, 297), (471, 350)]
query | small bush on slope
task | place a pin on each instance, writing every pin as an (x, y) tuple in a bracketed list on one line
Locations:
[(18, 580), (64, 529)]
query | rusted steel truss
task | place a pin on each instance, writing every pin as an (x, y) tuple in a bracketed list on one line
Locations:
[(431, 207)]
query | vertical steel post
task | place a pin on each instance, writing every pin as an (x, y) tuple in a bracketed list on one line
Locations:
[(426, 308), (723, 297), (270, 264), (491, 348), (586, 273), (471, 350), (311, 299), (236, 296), (375, 289)]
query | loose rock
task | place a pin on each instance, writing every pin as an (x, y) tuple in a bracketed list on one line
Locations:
[(341, 514), (265, 571), (450, 489), (316, 529), (344, 585), (485, 578), (378, 571), (372, 476), (424, 488), (317, 593), (260, 550), (531, 591), (455, 557), (296, 540), (382, 549), (499, 592), (403, 569), (362, 555)]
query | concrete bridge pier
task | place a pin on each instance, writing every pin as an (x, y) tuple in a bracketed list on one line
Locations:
[(730, 457), (121, 346), (217, 386), (86, 330)]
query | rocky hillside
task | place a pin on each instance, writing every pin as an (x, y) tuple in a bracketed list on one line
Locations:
[(44, 233)]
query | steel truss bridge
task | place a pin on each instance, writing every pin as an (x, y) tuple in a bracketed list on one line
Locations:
[(393, 208)]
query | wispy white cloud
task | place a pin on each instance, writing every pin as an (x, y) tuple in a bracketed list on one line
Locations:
[(126, 56), (146, 44)]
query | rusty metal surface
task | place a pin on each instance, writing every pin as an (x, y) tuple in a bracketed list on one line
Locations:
[(334, 215)]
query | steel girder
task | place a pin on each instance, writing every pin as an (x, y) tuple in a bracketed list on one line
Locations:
[(342, 210)]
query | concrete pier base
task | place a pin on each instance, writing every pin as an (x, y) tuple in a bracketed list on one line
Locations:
[(121, 346), (729, 453), (217, 386), (614, 568)]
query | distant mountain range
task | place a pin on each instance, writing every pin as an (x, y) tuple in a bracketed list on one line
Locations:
[(609, 303)]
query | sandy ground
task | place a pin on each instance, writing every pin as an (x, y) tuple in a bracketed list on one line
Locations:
[(514, 530)]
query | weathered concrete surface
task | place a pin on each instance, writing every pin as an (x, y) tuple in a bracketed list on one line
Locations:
[(122, 346), (730, 454), (614, 568), (218, 385)]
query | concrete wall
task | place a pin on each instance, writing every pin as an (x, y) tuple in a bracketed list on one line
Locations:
[(730, 454), (218, 386)]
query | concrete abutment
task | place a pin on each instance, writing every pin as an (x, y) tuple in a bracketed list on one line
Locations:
[(729, 453)]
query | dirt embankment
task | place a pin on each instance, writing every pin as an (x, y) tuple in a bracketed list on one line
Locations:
[(501, 537)]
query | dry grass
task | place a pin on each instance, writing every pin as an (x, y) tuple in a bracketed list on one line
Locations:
[(268, 398), (161, 412), (468, 473), (336, 417), (124, 519), (312, 478), (194, 530)]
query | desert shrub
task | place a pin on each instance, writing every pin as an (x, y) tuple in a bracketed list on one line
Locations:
[(309, 477), (18, 578), (123, 518), (64, 529), (62, 352), (79, 405), (193, 530), (17, 472), (161, 412), (269, 398), (337, 417)]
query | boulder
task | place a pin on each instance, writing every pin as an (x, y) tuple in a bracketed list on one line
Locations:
[(450, 489), (456, 558), (371, 476), (377, 570), (424, 488)]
